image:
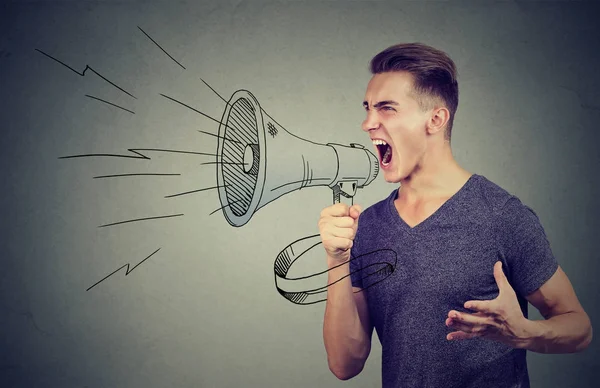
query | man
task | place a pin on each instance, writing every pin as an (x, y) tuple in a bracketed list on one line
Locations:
[(468, 255)]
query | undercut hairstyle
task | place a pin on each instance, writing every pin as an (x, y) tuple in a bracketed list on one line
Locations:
[(433, 71)]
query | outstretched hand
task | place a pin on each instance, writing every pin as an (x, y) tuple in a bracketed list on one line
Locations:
[(499, 319)]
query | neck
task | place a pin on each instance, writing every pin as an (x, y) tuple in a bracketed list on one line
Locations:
[(436, 175)]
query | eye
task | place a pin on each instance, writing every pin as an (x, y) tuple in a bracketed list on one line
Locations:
[(388, 108)]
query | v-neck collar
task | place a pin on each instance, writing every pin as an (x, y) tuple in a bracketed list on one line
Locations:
[(429, 220)]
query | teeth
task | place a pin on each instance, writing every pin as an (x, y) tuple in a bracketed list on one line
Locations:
[(379, 142)]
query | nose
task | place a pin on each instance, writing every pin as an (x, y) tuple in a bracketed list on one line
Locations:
[(371, 121)]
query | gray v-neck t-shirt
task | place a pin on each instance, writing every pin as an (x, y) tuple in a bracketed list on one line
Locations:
[(413, 276)]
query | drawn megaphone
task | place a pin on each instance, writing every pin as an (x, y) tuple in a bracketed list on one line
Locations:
[(258, 161)]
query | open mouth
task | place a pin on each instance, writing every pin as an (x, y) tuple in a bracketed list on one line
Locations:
[(385, 151)]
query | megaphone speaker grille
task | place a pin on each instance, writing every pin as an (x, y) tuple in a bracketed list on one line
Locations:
[(240, 168)]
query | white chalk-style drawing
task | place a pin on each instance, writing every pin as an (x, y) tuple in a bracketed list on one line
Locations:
[(257, 161), (311, 288)]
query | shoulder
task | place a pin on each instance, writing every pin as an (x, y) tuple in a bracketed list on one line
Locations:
[(506, 204), (512, 219), (495, 197), (503, 210), (501, 202)]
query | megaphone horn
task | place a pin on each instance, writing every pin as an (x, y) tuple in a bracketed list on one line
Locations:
[(258, 161)]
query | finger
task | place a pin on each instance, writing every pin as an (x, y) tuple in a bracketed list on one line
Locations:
[(342, 232), (460, 335), (342, 222), (484, 306), (501, 279), (467, 328), (457, 325), (338, 243), (355, 211), (337, 210), (472, 319)]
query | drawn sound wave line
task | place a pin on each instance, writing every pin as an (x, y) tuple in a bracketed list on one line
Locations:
[(127, 270), (110, 103), (139, 154), (207, 116), (163, 50), (195, 191), (134, 174), (140, 219), (223, 207), (87, 67), (217, 93), (220, 137), (197, 111)]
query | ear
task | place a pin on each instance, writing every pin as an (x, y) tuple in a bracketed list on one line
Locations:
[(438, 120)]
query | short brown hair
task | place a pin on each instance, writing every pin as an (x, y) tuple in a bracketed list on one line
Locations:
[(434, 74)]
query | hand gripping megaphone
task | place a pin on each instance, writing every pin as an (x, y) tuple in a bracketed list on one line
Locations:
[(258, 161)]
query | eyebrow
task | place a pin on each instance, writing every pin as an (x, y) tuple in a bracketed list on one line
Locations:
[(380, 104)]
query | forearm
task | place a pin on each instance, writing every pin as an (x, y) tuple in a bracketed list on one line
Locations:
[(346, 341), (565, 333)]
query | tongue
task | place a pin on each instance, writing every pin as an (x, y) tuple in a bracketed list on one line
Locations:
[(387, 156)]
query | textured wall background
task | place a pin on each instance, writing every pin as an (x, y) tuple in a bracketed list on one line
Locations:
[(203, 311)]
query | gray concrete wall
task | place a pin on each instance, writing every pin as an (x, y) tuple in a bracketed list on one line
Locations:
[(203, 311)]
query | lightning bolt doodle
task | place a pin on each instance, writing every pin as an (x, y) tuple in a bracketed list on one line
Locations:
[(87, 67), (127, 270)]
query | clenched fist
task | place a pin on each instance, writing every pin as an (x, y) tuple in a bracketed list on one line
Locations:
[(337, 226)]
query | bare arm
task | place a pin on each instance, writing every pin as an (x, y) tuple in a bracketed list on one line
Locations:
[(346, 328), (567, 327)]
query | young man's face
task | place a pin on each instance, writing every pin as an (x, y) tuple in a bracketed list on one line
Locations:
[(394, 117)]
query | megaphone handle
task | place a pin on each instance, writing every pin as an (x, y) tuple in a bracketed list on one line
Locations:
[(339, 198)]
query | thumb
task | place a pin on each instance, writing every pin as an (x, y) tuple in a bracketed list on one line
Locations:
[(501, 279), (355, 211)]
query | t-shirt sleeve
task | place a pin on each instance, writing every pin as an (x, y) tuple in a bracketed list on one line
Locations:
[(525, 247), (356, 262)]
